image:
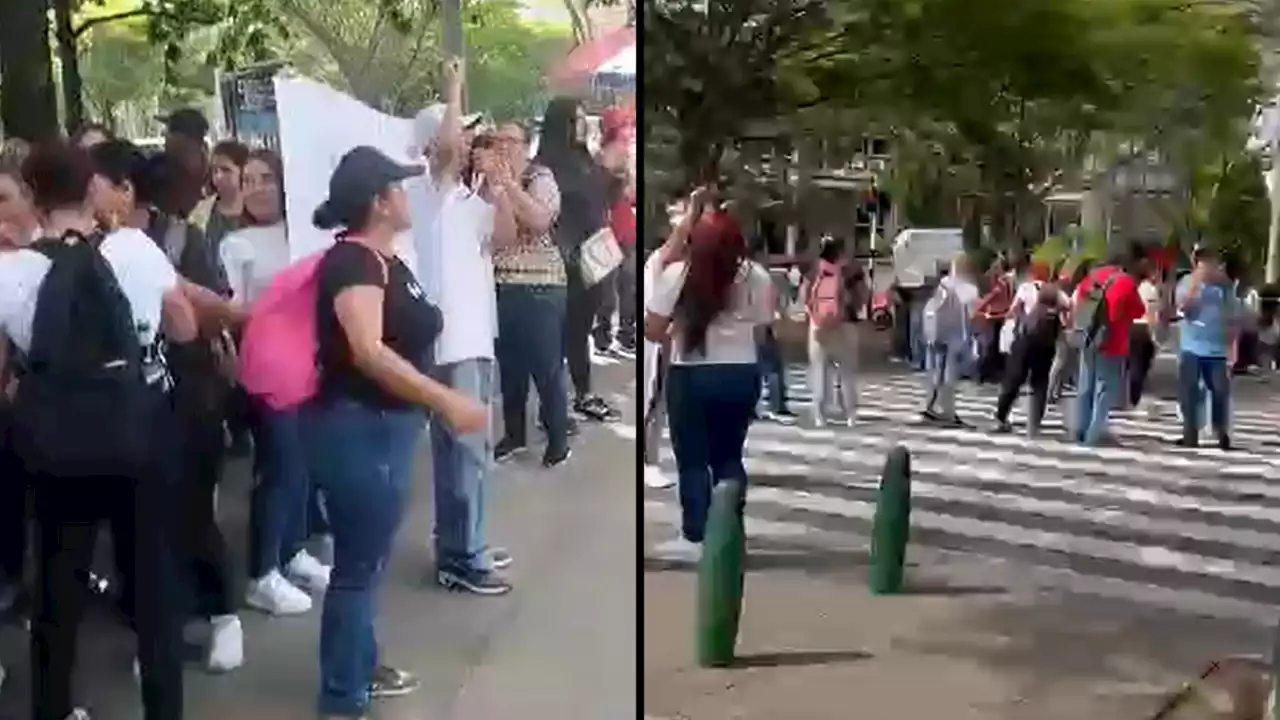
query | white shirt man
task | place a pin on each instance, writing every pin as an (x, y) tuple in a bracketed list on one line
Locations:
[(454, 227)]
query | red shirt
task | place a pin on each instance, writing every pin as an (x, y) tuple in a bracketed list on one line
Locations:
[(1124, 305), (622, 221)]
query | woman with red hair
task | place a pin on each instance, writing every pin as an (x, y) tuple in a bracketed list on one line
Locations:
[(709, 305)]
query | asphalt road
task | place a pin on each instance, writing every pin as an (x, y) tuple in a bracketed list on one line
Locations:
[(561, 646)]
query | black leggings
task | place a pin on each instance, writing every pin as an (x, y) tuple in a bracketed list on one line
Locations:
[(1029, 360), (209, 564), (1142, 350), (580, 315), (14, 513), (140, 512)]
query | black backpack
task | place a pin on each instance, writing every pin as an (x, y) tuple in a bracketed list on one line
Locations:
[(82, 407)]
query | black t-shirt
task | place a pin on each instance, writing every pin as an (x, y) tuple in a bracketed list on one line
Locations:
[(410, 324)]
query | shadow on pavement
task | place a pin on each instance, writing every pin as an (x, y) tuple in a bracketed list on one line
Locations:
[(800, 658)]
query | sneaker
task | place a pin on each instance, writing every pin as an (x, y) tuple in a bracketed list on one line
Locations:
[(819, 420), (498, 558), (626, 352), (555, 459), (479, 582), (507, 449), (79, 714), (594, 408), (1002, 427), (390, 682), (656, 479), (275, 595), (307, 572), (782, 418), (226, 644), (679, 550), (1224, 443)]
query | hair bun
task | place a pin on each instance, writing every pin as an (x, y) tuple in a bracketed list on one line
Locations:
[(324, 217)]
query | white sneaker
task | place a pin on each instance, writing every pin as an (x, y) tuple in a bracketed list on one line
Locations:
[(819, 420), (226, 644), (308, 572), (275, 595), (79, 714), (656, 479), (679, 550)]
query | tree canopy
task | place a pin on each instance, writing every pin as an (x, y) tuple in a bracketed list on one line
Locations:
[(1001, 99)]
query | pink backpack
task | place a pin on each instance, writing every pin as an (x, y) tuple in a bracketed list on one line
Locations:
[(824, 298), (278, 345)]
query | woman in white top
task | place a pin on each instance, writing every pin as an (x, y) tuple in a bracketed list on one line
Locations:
[(139, 507), (709, 306), (282, 571)]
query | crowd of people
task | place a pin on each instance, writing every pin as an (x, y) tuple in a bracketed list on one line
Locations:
[(131, 288), (1092, 329)]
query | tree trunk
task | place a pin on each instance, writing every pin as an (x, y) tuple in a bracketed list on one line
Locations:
[(69, 59), (29, 103)]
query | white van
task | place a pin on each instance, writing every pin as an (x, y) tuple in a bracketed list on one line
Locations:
[(918, 251)]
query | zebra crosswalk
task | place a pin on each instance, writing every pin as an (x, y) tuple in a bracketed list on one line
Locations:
[(1191, 530)]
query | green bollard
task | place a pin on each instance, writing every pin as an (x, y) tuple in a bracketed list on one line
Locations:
[(892, 525), (720, 575)]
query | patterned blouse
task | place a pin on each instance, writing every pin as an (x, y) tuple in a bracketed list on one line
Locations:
[(533, 259)]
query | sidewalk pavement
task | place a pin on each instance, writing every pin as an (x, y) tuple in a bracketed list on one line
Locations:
[(560, 646), (815, 645)]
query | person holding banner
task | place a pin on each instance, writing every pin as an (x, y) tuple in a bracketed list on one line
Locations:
[(454, 227)]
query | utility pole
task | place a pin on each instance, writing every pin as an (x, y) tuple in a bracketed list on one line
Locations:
[(1271, 135), (454, 43)]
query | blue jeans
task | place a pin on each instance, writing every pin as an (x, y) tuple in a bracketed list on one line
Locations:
[(460, 468), (530, 345), (944, 363), (709, 411), (362, 461), (1098, 389), (1195, 372), (773, 372), (279, 506)]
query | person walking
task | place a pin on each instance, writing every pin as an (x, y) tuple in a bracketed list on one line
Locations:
[(835, 295), (709, 307), (1106, 304), (946, 324), (1037, 314)]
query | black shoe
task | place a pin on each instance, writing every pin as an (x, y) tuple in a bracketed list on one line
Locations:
[(507, 449), (1003, 427), (1186, 442), (390, 682), (1224, 443), (929, 415), (594, 408), (553, 459), (478, 582)]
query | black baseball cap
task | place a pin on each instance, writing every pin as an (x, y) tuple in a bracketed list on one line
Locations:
[(362, 174), (188, 122)]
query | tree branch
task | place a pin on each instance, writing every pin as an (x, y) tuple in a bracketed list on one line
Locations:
[(92, 22)]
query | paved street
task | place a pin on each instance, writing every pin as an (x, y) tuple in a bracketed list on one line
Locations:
[(560, 647), (1045, 581), (1197, 531)]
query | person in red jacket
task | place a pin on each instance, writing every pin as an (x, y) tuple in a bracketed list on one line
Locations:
[(1100, 385), (617, 154)]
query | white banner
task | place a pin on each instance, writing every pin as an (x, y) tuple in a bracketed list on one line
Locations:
[(318, 125)]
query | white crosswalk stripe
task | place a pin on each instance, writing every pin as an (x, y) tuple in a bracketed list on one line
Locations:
[(1192, 530)]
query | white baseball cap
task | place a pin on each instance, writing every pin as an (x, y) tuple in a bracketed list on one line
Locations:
[(426, 124)]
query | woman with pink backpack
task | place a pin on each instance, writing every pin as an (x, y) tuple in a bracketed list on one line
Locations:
[(835, 295)]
